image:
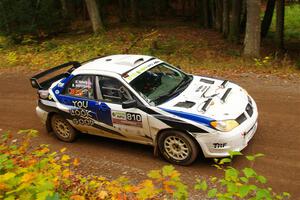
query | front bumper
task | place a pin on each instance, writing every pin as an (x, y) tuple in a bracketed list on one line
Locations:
[(218, 144)]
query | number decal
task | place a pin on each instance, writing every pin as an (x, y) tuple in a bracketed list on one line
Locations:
[(138, 118), (133, 117), (127, 118)]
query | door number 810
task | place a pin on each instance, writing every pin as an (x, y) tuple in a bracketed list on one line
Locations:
[(133, 117)]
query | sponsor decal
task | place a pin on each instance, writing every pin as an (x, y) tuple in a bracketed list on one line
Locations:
[(82, 116), (139, 70), (84, 122), (81, 113), (81, 104), (81, 88), (135, 73), (60, 84), (127, 118), (76, 92), (82, 84), (219, 145)]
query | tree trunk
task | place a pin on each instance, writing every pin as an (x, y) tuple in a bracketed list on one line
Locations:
[(225, 18), (94, 15), (205, 13), (252, 37), (279, 35), (64, 5), (219, 11), (235, 20), (183, 7), (35, 16), (189, 9), (84, 13), (7, 25), (212, 13), (243, 17), (200, 13), (134, 11), (267, 20), (122, 8), (157, 8)]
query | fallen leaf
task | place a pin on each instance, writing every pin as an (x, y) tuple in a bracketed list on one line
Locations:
[(76, 162)]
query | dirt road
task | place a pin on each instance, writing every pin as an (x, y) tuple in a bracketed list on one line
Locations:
[(278, 135)]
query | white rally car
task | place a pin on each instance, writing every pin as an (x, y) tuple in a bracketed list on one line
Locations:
[(145, 100)]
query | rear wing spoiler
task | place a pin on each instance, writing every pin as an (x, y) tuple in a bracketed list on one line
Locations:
[(36, 84)]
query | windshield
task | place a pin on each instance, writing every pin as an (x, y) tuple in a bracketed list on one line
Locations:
[(160, 83)]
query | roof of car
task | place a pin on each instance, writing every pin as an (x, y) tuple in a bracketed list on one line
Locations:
[(116, 63)]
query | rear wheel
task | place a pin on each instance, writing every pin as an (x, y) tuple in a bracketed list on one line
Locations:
[(63, 129), (178, 147)]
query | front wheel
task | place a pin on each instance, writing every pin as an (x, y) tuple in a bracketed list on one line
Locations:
[(63, 129), (178, 147)]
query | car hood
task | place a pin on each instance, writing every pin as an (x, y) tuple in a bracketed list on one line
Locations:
[(210, 98)]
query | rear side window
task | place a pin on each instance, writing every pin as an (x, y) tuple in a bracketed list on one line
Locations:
[(82, 86)]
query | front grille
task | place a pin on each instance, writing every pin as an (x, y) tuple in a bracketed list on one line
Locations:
[(249, 110), (241, 118)]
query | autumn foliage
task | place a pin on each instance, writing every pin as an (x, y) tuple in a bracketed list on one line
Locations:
[(28, 172)]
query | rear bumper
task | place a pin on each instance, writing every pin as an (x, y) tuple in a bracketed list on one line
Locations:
[(42, 114), (218, 144)]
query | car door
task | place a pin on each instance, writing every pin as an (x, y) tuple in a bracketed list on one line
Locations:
[(131, 122), (79, 101)]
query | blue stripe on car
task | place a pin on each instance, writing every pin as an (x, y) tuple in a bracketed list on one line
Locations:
[(59, 87), (193, 117)]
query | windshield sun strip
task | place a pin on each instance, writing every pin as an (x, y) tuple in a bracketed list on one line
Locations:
[(125, 73), (140, 70)]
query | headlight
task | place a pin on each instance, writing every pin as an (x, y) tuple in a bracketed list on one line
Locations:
[(224, 125)]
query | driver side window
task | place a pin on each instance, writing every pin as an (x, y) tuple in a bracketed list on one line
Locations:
[(112, 90)]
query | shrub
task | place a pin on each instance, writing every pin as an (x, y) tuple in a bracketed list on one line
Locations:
[(28, 172), (235, 183)]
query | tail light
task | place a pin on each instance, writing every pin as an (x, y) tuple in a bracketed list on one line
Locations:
[(43, 94)]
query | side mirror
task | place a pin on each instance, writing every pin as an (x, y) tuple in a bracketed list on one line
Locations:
[(129, 104)]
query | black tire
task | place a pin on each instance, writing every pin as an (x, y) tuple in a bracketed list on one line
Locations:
[(178, 147), (63, 129)]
